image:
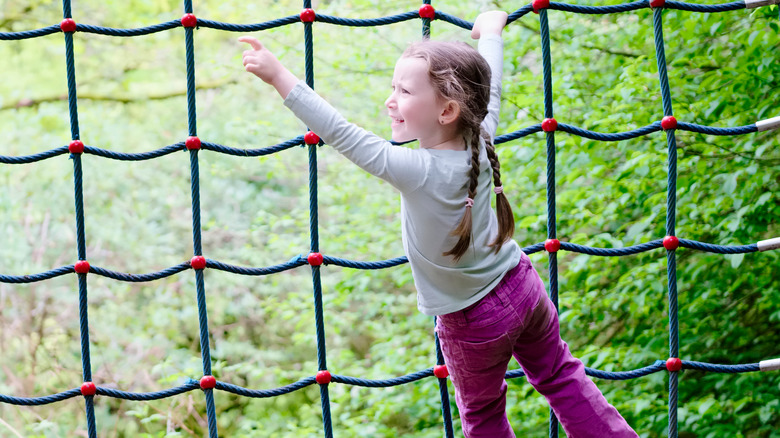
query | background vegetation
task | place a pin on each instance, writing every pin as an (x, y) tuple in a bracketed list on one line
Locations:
[(723, 71)]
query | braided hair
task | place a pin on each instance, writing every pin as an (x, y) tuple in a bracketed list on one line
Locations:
[(458, 72)]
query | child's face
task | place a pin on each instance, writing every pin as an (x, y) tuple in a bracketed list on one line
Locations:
[(413, 105)]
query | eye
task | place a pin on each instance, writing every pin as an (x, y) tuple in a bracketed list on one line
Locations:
[(404, 91)]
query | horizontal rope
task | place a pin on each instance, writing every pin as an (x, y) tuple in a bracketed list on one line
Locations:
[(658, 365), (518, 14), (141, 156), (298, 141), (32, 278), (24, 159), (612, 252), (518, 134), (715, 368), (717, 131), (457, 21), (293, 263), (654, 127), (385, 383), (111, 31), (37, 401), (694, 7), (265, 393), (26, 34), (146, 396), (381, 264), (590, 10), (719, 249), (138, 278), (230, 27), (329, 260), (365, 22)]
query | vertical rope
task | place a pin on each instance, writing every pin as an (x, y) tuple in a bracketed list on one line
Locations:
[(671, 205), (443, 391), (81, 241), (319, 322), (203, 319), (426, 24), (551, 222)]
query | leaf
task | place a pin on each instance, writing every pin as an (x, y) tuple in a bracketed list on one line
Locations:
[(704, 407), (635, 230), (730, 185), (736, 260)]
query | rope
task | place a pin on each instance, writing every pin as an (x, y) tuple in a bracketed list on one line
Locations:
[(299, 260)]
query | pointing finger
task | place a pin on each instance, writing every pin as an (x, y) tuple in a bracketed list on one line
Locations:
[(251, 41)]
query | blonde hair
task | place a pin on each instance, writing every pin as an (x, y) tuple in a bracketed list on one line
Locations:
[(458, 72)]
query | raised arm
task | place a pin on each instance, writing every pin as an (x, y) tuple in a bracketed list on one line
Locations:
[(488, 28), (404, 168)]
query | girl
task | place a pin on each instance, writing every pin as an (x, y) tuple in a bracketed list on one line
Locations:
[(490, 302)]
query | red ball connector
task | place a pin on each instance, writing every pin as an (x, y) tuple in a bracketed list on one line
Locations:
[(539, 5), (668, 122), (81, 267), (189, 20), (208, 382), (427, 11), (88, 388), (441, 371), (323, 377), (671, 242), (311, 138), (549, 125), (308, 15), (315, 259), (76, 147), (198, 262), (192, 143), (68, 25)]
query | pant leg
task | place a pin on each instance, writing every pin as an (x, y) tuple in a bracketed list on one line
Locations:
[(477, 357), (549, 366)]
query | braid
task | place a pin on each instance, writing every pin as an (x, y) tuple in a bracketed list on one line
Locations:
[(463, 230), (506, 219)]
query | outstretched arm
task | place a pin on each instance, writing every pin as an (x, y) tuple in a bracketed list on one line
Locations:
[(404, 168), (488, 28), (267, 67)]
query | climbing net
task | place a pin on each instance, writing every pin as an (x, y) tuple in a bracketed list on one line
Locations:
[(208, 383)]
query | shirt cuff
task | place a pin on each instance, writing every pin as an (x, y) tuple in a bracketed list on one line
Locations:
[(491, 37), (295, 94)]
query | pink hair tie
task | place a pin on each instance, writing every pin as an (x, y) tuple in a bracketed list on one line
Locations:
[(469, 202), (498, 189)]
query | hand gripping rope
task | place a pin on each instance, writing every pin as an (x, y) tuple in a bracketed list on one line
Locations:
[(208, 383)]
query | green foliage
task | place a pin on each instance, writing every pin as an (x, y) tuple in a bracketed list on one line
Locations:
[(614, 312)]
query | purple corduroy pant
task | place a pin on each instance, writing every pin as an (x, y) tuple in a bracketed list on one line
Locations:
[(518, 319)]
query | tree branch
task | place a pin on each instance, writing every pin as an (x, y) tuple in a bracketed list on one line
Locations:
[(30, 103), (587, 46)]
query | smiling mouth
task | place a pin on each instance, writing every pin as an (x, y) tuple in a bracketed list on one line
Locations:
[(396, 120)]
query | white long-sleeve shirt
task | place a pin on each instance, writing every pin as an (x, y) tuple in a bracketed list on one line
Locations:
[(433, 185)]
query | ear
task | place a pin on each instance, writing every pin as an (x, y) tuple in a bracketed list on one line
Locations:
[(450, 111)]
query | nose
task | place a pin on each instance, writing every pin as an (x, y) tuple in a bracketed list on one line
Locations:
[(390, 101)]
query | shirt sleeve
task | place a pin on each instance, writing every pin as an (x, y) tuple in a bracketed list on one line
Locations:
[(404, 168), (491, 47)]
